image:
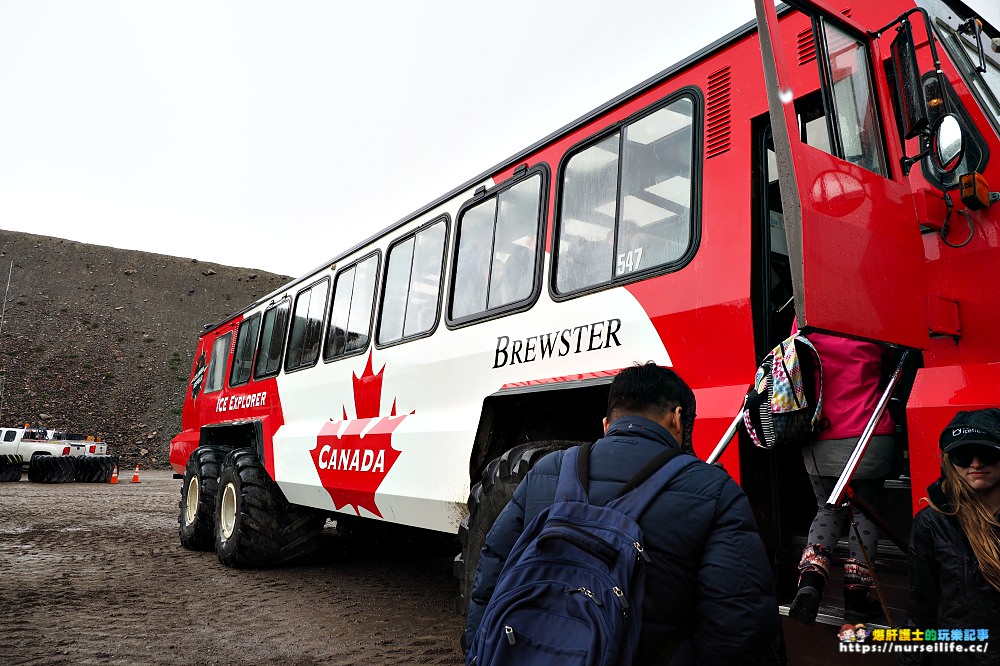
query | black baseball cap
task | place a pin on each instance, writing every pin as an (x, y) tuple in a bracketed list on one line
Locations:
[(979, 427)]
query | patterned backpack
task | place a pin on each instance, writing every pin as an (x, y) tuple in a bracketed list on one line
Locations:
[(784, 406)]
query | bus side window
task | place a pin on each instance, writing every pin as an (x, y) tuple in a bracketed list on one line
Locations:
[(246, 341), (350, 322), (307, 326), (412, 284), (626, 201), (272, 340), (587, 220), (217, 364), (472, 269), (512, 270), (498, 242), (813, 129)]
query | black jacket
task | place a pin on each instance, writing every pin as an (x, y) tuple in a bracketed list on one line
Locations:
[(709, 577), (946, 588)]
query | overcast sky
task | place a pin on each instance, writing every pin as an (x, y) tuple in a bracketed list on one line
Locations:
[(275, 135)]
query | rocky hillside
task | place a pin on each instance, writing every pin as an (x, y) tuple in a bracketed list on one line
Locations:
[(100, 341)]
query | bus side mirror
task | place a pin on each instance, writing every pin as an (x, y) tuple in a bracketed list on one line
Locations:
[(945, 146), (947, 143), (909, 91)]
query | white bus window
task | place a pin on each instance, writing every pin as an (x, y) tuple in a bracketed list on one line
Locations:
[(412, 285), (246, 342), (654, 225), (397, 286), (359, 324), (351, 313), (626, 200), (307, 326), (217, 365), (425, 281), (512, 270), (475, 248), (589, 209), (272, 340), (498, 250)]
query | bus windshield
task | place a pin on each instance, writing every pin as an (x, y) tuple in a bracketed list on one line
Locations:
[(963, 50)]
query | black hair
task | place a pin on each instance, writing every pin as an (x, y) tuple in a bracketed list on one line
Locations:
[(648, 390)]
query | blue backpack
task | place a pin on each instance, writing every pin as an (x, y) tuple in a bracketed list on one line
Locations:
[(571, 591)]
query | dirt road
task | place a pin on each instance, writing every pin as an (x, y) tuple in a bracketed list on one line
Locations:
[(94, 574)]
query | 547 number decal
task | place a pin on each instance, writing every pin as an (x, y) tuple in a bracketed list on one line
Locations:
[(628, 261)]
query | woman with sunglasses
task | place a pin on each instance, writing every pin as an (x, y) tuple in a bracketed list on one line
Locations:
[(954, 576)]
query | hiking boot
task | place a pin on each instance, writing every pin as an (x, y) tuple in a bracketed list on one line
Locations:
[(805, 606)]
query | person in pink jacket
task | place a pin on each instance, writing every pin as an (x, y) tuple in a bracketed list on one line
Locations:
[(852, 374)]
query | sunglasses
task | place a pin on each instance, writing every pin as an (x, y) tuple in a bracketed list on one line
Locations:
[(963, 455)]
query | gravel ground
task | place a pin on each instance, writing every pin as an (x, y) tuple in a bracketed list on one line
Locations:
[(94, 574)]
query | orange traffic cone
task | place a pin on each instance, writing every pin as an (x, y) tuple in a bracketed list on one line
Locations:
[(135, 477), (114, 475)]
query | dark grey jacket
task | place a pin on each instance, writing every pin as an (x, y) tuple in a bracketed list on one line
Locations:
[(946, 589)]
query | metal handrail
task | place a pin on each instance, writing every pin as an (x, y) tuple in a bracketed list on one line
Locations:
[(859, 449), (720, 448)]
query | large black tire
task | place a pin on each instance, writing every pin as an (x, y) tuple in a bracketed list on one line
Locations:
[(487, 499), (51, 469), (10, 468), (255, 526), (196, 521), (95, 469), (108, 465)]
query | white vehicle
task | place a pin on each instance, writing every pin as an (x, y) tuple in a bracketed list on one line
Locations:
[(28, 442), (53, 456), (81, 445)]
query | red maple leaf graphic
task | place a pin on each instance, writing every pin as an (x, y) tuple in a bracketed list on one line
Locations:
[(352, 464)]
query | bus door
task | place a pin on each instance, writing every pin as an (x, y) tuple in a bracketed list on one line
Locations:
[(833, 177), (853, 243)]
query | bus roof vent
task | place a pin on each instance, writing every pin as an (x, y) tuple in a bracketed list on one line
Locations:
[(719, 121)]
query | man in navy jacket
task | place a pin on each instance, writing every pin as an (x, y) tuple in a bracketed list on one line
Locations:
[(709, 589)]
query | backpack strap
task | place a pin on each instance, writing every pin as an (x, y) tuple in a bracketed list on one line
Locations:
[(569, 488), (646, 471), (574, 479), (634, 501), (583, 468), (819, 389)]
